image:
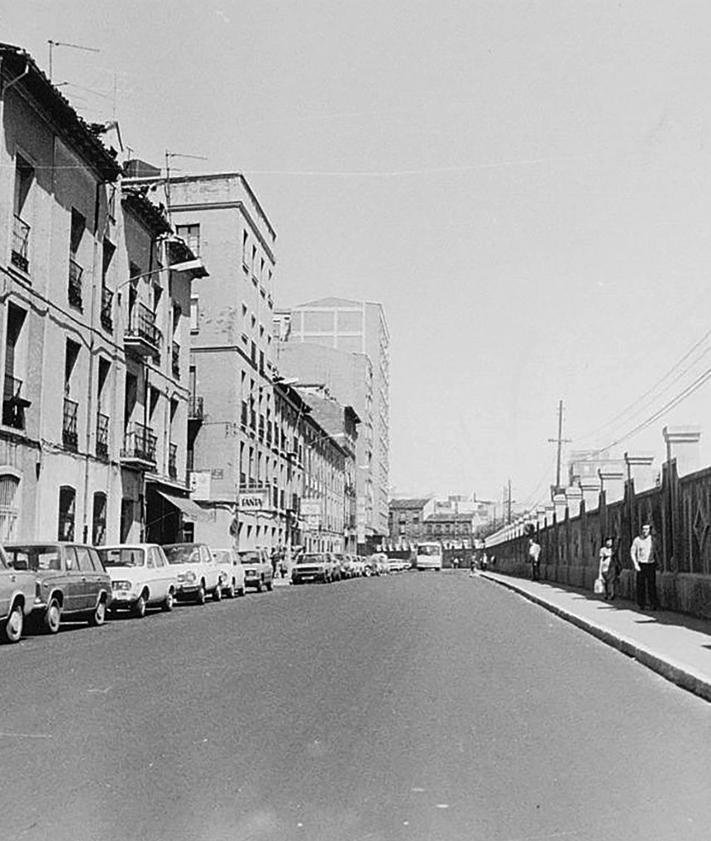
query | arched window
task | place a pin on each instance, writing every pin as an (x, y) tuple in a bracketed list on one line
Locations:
[(9, 511), (67, 505), (98, 532)]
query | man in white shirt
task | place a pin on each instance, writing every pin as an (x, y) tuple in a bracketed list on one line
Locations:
[(534, 556), (643, 553)]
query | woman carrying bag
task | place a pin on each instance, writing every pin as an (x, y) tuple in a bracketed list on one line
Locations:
[(608, 572)]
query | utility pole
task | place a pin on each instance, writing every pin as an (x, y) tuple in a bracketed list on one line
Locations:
[(506, 503), (559, 441)]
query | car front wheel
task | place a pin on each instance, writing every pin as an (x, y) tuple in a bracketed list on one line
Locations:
[(52, 617), (98, 617), (217, 592), (168, 601), (139, 608), (12, 629), (200, 595), (260, 585)]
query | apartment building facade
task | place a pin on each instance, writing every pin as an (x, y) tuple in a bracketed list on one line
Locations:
[(344, 344), (340, 423), (68, 446), (234, 465)]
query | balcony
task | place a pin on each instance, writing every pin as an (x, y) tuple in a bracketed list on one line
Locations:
[(70, 437), (102, 435), (107, 303), (139, 448), (195, 409), (13, 404), (173, 461), (20, 245), (142, 338), (74, 287), (175, 360)]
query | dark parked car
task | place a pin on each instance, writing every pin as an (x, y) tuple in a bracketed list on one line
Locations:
[(71, 582)]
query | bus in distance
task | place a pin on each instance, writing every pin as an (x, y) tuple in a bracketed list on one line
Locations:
[(428, 555)]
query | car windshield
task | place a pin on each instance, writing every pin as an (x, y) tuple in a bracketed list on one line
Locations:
[(429, 550), (310, 559), (122, 556), (182, 553), (249, 558), (222, 556), (35, 558)]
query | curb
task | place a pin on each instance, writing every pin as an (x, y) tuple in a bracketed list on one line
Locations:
[(682, 676)]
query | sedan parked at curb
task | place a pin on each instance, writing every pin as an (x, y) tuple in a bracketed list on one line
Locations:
[(17, 597), (196, 570), (232, 572), (141, 577), (70, 582), (312, 567), (257, 569)]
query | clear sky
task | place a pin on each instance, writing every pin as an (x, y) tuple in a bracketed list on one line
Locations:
[(525, 186)]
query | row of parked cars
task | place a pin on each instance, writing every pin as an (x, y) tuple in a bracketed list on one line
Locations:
[(326, 567), (42, 583)]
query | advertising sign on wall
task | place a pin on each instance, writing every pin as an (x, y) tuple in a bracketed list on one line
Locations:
[(252, 501)]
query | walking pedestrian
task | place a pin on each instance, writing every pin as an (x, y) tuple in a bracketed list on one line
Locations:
[(644, 559), (609, 570), (472, 565), (534, 556)]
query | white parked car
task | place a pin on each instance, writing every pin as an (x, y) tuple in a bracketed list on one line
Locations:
[(231, 570), (197, 571), (140, 577), (257, 569)]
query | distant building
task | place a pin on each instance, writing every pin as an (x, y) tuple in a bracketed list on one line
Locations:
[(406, 520), (345, 344), (584, 465), (453, 530), (340, 422)]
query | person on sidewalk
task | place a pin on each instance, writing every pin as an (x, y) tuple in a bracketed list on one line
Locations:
[(609, 570), (644, 559), (534, 556)]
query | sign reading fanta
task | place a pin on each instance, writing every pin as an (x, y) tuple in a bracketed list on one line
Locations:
[(253, 501)]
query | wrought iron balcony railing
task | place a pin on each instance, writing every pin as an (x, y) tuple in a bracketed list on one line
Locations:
[(70, 437), (142, 335), (20, 244), (74, 287), (175, 360), (173, 461), (195, 408), (107, 302), (13, 404), (102, 435), (140, 444)]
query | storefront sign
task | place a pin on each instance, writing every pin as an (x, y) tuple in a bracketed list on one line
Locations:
[(252, 501)]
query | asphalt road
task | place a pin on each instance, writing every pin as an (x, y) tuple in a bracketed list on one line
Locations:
[(418, 706)]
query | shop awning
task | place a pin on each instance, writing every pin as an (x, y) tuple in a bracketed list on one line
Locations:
[(189, 509)]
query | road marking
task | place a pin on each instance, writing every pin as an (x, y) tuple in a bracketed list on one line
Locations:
[(442, 806), (27, 735)]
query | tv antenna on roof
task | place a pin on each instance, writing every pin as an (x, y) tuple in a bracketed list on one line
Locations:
[(53, 44)]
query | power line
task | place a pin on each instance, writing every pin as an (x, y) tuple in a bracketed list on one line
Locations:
[(636, 403), (671, 404)]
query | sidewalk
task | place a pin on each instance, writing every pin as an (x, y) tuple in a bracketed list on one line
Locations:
[(676, 646)]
